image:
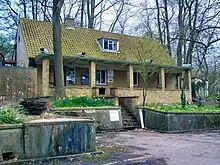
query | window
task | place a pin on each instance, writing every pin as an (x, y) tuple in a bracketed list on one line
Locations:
[(111, 45), (101, 77), (135, 78), (85, 78), (70, 76)]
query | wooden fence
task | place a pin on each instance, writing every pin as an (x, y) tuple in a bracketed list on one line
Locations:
[(17, 83)]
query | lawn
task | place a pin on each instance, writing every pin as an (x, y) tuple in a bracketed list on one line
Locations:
[(188, 108)]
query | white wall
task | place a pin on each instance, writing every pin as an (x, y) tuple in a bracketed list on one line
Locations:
[(22, 57)]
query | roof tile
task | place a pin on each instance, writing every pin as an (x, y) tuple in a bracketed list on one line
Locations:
[(38, 34)]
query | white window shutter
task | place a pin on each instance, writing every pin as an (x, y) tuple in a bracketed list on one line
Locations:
[(110, 75), (117, 45)]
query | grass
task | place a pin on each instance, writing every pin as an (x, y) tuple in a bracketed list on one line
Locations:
[(12, 114), (83, 101), (105, 155), (188, 108)]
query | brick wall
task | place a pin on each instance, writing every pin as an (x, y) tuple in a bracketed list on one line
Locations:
[(17, 83), (75, 91), (155, 96)]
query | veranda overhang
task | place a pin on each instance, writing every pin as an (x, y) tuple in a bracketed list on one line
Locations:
[(72, 59)]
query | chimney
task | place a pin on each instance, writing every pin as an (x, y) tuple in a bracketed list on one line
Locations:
[(69, 23)]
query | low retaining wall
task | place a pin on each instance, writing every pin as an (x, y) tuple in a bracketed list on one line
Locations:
[(11, 141), (107, 118), (180, 122), (47, 138)]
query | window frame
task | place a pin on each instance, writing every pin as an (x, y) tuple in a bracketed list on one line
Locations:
[(100, 77), (84, 74), (113, 42), (137, 78), (67, 73)]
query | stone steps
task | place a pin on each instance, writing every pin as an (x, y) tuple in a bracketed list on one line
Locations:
[(128, 120)]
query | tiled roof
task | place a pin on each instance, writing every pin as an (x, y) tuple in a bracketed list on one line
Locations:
[(38, 34)]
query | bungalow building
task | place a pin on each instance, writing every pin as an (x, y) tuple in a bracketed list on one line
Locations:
[(98, 63)]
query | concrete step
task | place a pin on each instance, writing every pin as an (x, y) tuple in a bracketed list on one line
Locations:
[(127, 117), (128, 120), (129, 124), (131, 127)]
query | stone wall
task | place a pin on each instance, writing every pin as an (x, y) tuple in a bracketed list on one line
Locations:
[(17, 83), (47, 138), (102, 115), (180, 122), (155, 96), (72, 91), (56, 137), (11, 141)]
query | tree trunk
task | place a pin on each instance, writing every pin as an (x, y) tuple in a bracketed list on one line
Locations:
[(58, 58), (181, 34), (82, 13), (91, 13), (158, 22), (167, 26), (32, 9), (36, 8), (25, 8), (193, 32), (45, 9)]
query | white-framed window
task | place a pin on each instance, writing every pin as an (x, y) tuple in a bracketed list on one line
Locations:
[(101, 77), (136, 79), (108, 44), (71, 76)]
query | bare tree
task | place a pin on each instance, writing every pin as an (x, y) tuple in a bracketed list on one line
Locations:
[(145, 67), (94, 10)]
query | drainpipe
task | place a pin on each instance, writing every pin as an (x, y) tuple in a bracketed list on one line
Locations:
[(141, 117)]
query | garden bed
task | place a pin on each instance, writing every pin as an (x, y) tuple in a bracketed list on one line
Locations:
[(171, 119), (40, 136), (106, 118), (106, 115), (83, 101)]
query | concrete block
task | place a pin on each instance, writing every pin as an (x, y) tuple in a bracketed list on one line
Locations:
[(11, 142)]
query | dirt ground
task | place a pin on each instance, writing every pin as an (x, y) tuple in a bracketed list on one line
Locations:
[(144, 147)]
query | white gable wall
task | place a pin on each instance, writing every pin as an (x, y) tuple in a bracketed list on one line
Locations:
[(22, 57)]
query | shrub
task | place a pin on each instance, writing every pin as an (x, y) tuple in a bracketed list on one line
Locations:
[(83, 101), (11, 115)]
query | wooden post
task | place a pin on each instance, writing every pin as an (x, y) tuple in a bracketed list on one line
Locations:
[(116, 101), (45, 76), (190, 86), (130, 76), (162, 74), (92, 74)]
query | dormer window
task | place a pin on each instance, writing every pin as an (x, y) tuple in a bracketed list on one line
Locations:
[(109, 45)]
